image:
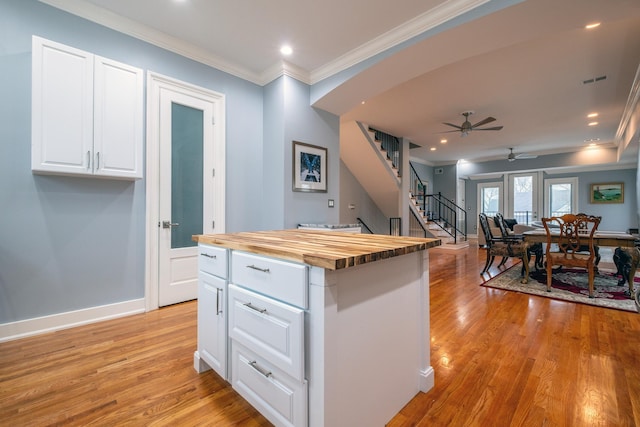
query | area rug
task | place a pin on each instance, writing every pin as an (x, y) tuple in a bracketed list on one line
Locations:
[(569, 285)]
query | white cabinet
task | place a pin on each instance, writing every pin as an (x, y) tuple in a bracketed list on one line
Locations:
[(87, 113), (267, 301), (212, 311)]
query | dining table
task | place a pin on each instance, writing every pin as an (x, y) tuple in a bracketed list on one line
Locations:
[(618, 239)]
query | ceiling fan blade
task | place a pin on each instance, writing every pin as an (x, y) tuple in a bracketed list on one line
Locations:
[(484, 122), (449, 131), (452, 125), (526, 156), (493, 128)]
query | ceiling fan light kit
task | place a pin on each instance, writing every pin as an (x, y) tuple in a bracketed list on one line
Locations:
[(467, 127)]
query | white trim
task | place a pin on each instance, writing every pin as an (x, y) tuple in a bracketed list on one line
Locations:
[(428, 20), (70, 319), (142, 32), (156, 82)]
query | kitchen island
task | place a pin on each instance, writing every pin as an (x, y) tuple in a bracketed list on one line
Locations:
[(316, 328)]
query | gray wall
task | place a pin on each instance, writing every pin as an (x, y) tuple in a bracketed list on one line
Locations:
[(74, 243), (352, 192)]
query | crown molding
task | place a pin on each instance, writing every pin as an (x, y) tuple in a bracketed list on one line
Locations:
[(405, 31), (630, 121), (284, 68), (428, 20), (134, 29)]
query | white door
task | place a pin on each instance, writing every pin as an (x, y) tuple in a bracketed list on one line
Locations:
[(489, 200), (185, 161), (523, 203)]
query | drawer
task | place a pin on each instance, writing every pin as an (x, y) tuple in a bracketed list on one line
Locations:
[(270, 328), (281, 280), (282, 400), (212, 260)]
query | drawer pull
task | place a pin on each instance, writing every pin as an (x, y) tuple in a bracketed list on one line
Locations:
[(209, 256), (218, 292), (253, 307), (264, 270), (254, 365)]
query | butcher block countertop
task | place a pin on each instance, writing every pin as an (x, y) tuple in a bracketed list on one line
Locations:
[(326, 249)]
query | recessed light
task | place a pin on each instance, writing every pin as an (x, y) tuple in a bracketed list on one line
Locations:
[(592, 25), (286, 50), (363, 102), (592, 115), (593, 123), (433, 148), (443, 141)]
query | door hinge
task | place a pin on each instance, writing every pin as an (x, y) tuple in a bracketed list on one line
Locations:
[(213, 173), (213, 120), (213, 225)]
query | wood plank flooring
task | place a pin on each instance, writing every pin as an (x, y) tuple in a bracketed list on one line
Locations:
[(500, 359)]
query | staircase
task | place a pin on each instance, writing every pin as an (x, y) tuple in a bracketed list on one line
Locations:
[(439, 229), (382, 180)]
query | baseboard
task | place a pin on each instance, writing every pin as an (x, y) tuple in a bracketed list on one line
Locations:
[(427, 379), (55, 322)]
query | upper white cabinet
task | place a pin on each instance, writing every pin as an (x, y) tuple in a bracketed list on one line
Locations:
[(87, 113)]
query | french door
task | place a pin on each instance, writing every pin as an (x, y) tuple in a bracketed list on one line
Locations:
[(185, 174), (490, 196), (523, 200)]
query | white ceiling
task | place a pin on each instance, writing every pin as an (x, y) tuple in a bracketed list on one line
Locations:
[(523, 64)]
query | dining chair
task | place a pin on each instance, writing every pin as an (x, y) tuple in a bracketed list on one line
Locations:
[(534, 249), (570, 243), (505, 248)]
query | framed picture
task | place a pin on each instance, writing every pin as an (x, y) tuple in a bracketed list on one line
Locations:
[(309, 168), (608, 192)]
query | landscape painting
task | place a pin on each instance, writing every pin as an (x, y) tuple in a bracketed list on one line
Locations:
[(612, 192)]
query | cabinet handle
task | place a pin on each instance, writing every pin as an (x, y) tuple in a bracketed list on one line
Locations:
[(254, 365), (264, 270), (218, 291), (209, 256), (253, 307), (88, 160), (97, 161)]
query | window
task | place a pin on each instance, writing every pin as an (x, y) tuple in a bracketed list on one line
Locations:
[(561, 196)]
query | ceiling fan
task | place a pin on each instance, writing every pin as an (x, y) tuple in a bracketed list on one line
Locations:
[(467, 127), (513, 157)]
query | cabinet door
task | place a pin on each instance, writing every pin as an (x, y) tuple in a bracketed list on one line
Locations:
[(212, 326), (118, 118), (62, 108)]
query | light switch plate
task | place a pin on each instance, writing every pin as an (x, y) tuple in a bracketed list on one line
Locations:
[(330, 203)]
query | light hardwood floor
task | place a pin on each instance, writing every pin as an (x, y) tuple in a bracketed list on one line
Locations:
[(500, 359)]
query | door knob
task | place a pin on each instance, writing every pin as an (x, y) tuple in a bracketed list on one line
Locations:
[(169, 224)]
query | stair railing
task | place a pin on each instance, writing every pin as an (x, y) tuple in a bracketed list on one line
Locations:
[(417, 227), (395, 226), (361, 222), (391, 145), (441, 211), (449, 216)]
